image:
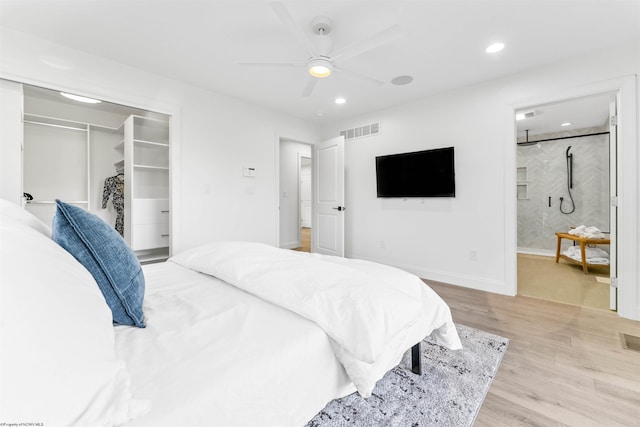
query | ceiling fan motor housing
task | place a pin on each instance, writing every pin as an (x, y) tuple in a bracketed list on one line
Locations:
[(321, 25)]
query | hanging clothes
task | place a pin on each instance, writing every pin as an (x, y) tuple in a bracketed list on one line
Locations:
[(114, 187)]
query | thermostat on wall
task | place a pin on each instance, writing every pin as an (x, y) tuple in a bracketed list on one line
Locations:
[(249, 171)]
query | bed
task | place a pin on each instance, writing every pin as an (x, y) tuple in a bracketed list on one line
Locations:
[(231, 333)]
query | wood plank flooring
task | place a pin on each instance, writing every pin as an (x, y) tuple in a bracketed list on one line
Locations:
[(565, 364), (305, 240)]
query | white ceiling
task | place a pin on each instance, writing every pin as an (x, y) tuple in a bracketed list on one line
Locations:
[(581, 113), (441, 45)]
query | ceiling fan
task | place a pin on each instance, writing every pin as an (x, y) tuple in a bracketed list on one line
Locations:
[(323, 57)]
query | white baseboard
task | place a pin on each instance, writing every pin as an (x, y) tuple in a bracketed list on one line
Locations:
[(487, 285), (290, 245)]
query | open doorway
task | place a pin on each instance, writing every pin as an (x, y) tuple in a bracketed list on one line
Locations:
[(295, 189), (306, 203), (566, 173)]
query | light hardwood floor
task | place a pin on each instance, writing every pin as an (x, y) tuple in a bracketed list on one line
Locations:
[(305, 240), (564, 365)]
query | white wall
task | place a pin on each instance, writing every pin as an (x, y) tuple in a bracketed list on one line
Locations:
[(290, 151), (433, 237), (213, 137)]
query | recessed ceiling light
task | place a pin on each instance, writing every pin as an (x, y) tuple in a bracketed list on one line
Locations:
[(80, 98), (566, 124), (401, 80), (496, 47), (340, 100)]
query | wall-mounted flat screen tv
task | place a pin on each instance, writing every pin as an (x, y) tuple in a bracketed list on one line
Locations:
[(428, 173)]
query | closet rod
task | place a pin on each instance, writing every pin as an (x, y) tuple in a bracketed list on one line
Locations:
[(53, 202), (55, 126), (561, 137)]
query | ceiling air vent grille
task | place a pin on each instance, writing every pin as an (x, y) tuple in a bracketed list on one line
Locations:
[(361, 132)]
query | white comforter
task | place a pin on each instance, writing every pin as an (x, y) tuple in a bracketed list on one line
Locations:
[(372, 313), (213, 355)]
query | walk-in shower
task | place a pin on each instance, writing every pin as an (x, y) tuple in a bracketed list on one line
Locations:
[(560, 186)]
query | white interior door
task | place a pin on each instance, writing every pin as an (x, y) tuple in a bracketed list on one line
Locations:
[(306, 199), (328, 197), (613, 192)]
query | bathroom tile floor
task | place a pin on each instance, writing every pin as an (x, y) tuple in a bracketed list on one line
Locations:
[(540, 277)]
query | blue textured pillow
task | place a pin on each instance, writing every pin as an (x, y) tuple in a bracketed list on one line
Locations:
[(102, 251)]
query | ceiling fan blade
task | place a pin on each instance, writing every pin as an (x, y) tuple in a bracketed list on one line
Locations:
[(273, 64), (308, 88), (379, 39), (300, 35), (359, 76)]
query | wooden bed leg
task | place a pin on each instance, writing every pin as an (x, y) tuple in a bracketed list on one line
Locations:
[(416, 360)]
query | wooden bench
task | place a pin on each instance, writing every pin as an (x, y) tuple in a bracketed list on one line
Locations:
[(584, 241)]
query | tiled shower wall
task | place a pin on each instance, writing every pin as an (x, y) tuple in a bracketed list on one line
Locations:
[(542, 173)]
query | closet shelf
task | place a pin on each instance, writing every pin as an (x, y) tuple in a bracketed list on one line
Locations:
[(146, 153), (160, 168), (152, 144)]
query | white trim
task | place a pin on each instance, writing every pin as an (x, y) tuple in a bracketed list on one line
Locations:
[(472, 282), (278, 139), (628, 268), (276, 240), (289, 245)]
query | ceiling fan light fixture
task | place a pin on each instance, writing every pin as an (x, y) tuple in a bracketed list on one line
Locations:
[(320, 67)]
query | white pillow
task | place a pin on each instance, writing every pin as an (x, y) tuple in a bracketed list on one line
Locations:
[(57, 357), (14, 213)]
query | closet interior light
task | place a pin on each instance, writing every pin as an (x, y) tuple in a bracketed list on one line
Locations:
[(496, 47), (80, 98)]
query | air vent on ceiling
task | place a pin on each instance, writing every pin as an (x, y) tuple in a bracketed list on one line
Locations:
[(361, 131)]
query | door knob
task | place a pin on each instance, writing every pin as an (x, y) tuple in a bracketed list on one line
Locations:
[(340, 208)]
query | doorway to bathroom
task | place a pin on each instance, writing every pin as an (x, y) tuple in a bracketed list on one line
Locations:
[(566, 176)]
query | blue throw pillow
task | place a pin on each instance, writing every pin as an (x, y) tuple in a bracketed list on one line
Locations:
[(102, 251)]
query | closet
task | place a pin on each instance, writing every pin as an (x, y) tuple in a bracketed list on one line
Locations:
[(144, 159), (94, 155), (61, 161)]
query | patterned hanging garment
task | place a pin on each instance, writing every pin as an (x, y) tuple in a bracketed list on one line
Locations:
[(114, 186)]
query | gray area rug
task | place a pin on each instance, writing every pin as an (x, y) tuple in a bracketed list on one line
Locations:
[(450, 391)]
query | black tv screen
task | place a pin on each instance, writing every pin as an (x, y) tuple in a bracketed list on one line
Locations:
[(428, 173)]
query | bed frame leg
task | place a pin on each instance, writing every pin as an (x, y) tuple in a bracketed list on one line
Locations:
[(416, 360)]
